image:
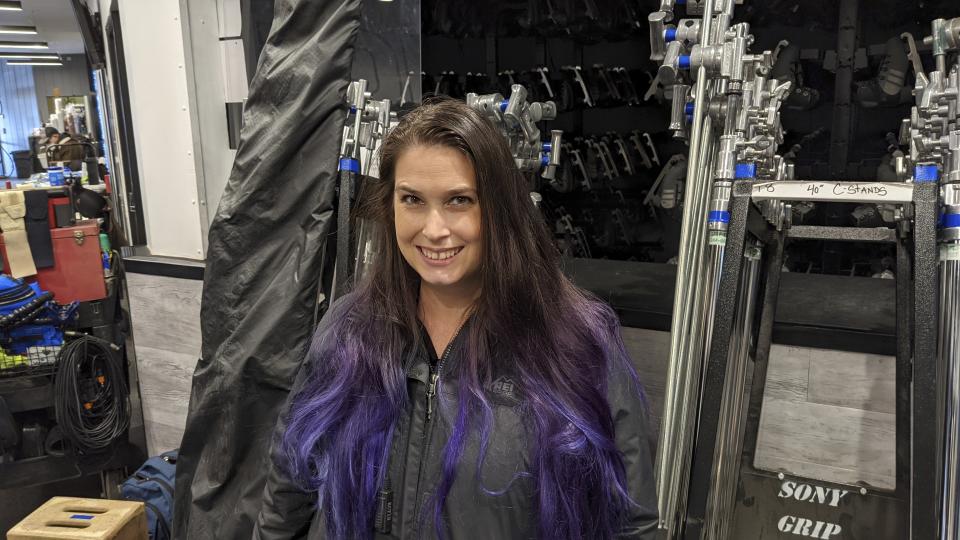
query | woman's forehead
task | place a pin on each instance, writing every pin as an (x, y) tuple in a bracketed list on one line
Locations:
[(434, 168)]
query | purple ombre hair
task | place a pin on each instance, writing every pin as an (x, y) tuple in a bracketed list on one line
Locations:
[(561, 343)]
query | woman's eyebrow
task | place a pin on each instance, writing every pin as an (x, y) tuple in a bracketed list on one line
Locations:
[(406, 188), (458, 190), (452, 191)]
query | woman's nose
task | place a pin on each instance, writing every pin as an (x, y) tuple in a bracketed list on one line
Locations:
[(435, 226)]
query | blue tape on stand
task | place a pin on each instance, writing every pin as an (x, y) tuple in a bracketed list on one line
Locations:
[(689, 118), (684, 61), (743, 171), (503, 105), (544, 161), (81, 516), (547, 146), (349, 164), (670, 34), (925, 173), (688, 108), (681, 2), (718, 216), (950, 221)]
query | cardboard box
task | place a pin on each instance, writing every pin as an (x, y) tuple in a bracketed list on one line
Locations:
[(68, 518)]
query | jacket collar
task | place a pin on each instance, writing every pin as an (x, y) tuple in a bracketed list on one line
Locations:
[(417, 361)]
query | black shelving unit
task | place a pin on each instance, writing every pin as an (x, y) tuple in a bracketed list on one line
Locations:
[(33, 472)]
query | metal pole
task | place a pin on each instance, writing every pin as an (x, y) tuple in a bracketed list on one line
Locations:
[(683, 374), (716, 368), (692, 352), (949, 357), (723, 488), (842, 103)]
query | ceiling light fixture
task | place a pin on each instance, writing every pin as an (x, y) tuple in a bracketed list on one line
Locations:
[(8, 5), (34, 63), (21, 30), (23, 45), (28, 56)]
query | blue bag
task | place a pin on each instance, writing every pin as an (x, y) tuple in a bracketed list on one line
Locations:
[(29, 318), (153, 485)]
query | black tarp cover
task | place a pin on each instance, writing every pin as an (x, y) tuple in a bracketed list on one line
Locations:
[(264, 261)]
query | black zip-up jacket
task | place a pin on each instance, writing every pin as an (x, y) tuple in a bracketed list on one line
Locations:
[(415, 465)]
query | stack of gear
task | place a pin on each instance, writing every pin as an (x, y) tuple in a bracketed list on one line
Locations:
[(31, 326), (727, 105), (42, 238), (366, 125), (517, 118), (933, 135)]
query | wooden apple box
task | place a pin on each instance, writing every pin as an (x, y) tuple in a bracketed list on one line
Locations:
[(68, 518)]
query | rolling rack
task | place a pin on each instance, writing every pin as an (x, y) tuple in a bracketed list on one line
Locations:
[(923, 504), (35, 461), (736, 223), (771, 503)]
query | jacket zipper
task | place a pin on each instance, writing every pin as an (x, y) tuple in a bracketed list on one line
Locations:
[(428, 428), (383, 521), (435, 375)]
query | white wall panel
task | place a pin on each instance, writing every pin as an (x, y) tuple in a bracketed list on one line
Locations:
[(153, 44), (216, 76)]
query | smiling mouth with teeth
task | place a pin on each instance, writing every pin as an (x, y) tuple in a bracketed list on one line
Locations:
[(439, 255)]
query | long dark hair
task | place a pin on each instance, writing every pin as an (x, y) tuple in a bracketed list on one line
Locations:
[(559, 341)]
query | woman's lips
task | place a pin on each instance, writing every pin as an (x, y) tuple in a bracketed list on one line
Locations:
[(438, 262)]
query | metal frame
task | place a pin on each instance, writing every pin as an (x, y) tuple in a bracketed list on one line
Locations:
[(716, 368), (916, 465), (927, 391), (136, 234)]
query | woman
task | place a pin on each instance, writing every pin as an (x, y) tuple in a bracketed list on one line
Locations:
[(466, 389)]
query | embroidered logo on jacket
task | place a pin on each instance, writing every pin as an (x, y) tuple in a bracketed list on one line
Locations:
[(504, 391), (503, 385)]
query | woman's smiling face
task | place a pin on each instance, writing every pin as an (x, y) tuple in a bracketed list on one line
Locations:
[(437, 217)]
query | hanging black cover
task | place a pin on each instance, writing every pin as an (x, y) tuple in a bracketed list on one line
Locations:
[(264, 262)]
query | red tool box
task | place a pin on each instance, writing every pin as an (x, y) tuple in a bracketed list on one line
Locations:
[(77, 273)]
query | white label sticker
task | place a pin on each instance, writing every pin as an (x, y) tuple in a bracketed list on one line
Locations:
[(717, 238), (823, 190)]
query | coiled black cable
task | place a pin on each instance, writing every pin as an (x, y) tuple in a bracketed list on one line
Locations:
[(26, 312), (90, 393)]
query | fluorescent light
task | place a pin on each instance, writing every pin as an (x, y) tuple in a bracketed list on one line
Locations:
[(28, 56), (23, 30), (23, 45), (33, 63), (8, 5)]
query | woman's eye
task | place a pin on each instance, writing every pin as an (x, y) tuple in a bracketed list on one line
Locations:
[(460, 200), (409, 199)]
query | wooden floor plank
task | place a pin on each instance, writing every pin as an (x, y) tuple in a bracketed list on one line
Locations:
[(165, 312), (165, 378), (788, 373), (856, 380), (838, 444)]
